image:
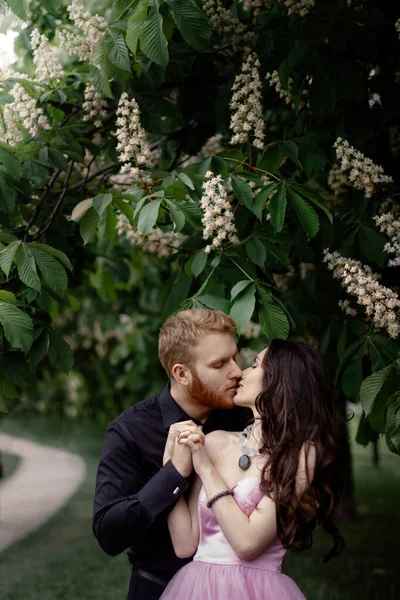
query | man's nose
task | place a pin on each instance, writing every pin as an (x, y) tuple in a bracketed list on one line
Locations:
[(236, 372)]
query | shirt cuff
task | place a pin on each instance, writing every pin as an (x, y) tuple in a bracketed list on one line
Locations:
[(162, 490)]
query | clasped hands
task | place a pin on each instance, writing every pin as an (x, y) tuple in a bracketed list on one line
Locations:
[(185, 447)]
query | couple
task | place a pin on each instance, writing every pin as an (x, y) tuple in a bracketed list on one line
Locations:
[(236, 498)]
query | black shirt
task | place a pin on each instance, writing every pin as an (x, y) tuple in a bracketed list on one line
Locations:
[(133, 494)]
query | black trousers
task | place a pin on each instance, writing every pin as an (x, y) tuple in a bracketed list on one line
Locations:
[(141, 588)]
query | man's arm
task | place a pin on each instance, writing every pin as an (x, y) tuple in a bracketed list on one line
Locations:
[(125, 505)]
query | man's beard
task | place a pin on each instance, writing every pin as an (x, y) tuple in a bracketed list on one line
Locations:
[(203, 396)]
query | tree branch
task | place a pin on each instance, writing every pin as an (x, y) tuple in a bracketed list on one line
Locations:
[(41, 202), (43, 232)]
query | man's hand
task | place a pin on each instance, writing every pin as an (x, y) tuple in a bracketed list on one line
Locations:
[(195, 440), (180, 456)]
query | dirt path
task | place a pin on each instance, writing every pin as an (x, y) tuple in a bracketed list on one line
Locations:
[(43, 482)]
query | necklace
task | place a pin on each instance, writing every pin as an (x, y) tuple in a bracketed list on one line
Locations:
[(244, 460)]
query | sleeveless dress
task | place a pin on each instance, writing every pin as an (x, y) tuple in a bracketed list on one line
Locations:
[(216, 573)]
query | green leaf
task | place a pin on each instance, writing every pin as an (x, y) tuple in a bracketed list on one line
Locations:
[(15, 368), (117, 51), (8, 297), (314, 197), (199, 262), (191, 21), (371, 386), (52, 271), (148, 216), (242, 191), (57, 159), (17, 325), (7, 256), (88, 225), (371, 245), (7, 200), (39, 348), (392, 431), (383, 351), (63, 258), (152, 38), (60, 354), (100, 60), (214, 302), (186, 180), (176, 215), (135, 23), (18, 7), (353, 374), (100, 203), (239, 287), (120, 8), (11, 163), (289, 149), (7, 237), (260, 200), (243, 307), (277, 208), (27, 268), (279, 254), (256, 251), (272, 319), (307, 215), (7, 390)]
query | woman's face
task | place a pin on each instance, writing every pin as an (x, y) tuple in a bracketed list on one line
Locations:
[(250, 385)]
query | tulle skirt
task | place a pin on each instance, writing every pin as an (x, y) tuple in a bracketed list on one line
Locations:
[(209, 581)]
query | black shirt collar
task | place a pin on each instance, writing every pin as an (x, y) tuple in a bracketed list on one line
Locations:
[(171, 412)]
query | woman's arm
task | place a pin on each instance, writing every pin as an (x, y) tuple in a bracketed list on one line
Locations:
[(248, 536), (183, 523)]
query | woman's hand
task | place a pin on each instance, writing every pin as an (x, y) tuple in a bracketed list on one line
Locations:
[(173, 433), (180, 456), (195, 440)]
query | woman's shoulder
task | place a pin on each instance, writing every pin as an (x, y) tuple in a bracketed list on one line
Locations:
[(215, 440)]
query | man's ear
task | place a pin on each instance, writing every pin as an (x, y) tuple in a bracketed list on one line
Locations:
[(182, 374)]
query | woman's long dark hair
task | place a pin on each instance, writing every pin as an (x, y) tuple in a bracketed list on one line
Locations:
[(298, 412)]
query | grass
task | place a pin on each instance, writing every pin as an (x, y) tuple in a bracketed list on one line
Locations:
[(9, 463), (62, 561)]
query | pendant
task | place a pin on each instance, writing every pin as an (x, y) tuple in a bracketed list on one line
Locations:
[(244, 462)]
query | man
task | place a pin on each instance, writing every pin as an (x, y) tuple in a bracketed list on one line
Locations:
[(134, 490)]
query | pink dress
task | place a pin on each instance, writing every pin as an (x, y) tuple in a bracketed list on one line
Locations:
[(216, 573)]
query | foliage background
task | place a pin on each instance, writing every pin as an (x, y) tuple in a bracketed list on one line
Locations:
[(78, 292)]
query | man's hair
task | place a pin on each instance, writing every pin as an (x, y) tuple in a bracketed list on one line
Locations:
[(181, 332)]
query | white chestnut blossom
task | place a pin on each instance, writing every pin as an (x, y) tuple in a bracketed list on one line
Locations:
[(246, 105), (389, 225), (212, 146), (397, 25), (251, 330), (338, 181), (344, 305), (226, 26), (364, 174), (299, 7), (45, 57), (254, 6), (92, 28), (23, 111), (381, 304), (286, 94), (94, 106), (157, 241), (218, 218), (133, 148)]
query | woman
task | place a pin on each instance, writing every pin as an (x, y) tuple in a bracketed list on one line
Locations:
[(259, 492)]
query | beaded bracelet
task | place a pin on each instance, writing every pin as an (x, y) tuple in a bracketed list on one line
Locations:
[(218, 496)]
